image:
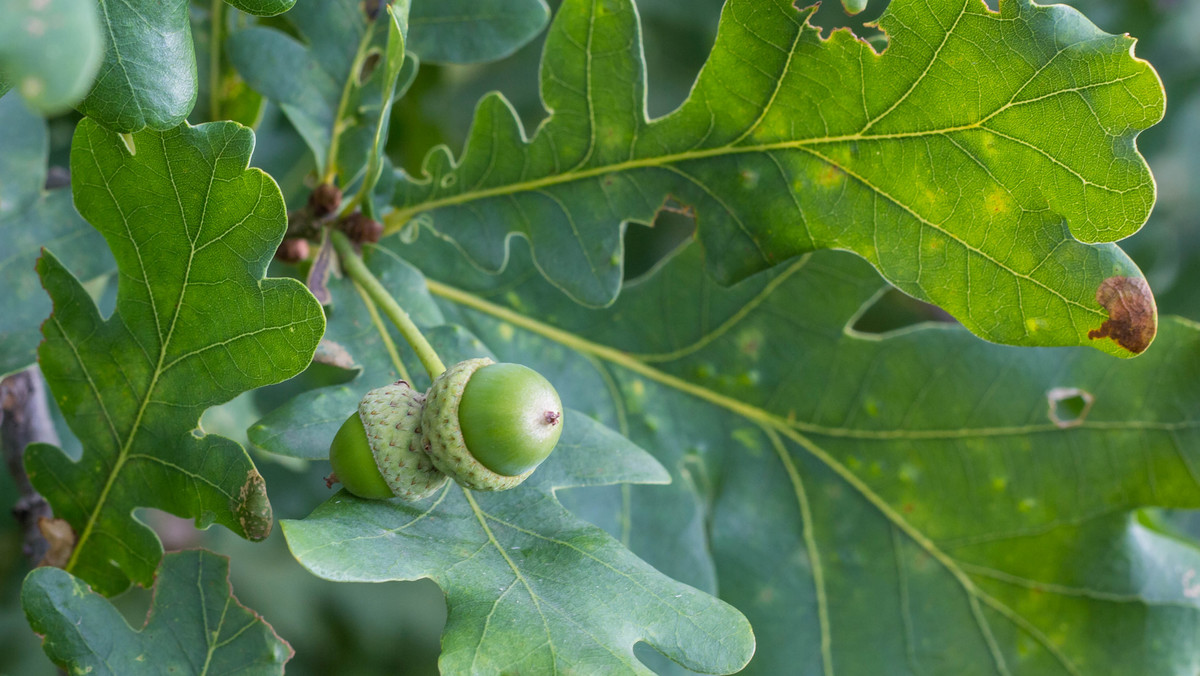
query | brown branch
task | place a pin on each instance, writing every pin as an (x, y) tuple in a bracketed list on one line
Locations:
[(25, 419)]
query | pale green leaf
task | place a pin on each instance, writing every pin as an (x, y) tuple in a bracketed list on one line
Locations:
[(969, 162), (50, 50), (529, 587), (192, 230), (195, 626)]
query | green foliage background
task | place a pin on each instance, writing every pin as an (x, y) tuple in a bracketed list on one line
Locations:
[(394, 628)]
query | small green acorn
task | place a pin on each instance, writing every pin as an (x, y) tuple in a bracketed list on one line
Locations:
[(379, 451), (489, 425)]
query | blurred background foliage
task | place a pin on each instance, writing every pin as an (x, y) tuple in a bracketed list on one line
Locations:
[(394, 628)]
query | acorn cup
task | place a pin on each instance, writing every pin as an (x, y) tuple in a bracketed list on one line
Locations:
[(379, 451), (489, 425)]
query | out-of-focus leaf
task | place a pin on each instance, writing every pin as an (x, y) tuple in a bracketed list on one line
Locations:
[(393, 66), (32, 218), (472, 31), (868, 501), (969, 162), (234, 100), (196, 625), (50, 50), (336, 75), (148, 77), (263, 7), (192, 231)]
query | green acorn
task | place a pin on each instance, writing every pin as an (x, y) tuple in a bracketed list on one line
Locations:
[(489, 425), (379, 451)]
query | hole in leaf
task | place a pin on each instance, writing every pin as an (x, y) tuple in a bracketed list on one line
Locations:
[(893, 310), (369, 65), (646, 247), (1069, 406)]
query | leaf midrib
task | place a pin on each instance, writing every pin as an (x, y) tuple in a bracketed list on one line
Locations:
[(772, 422), (123, 454)]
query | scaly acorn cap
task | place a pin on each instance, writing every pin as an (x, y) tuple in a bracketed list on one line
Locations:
[(444, 442), (391, 417)]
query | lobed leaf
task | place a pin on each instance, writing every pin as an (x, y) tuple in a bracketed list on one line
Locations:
[(530, 587), (196, 324), (981, 162), (195, 626), (869, 499)]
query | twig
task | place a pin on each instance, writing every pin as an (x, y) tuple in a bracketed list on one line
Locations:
[(25, 419)]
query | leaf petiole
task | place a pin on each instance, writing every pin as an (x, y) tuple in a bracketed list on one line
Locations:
[(353, 264)]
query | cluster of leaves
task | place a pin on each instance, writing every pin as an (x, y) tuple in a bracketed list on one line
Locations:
[(744, 472)]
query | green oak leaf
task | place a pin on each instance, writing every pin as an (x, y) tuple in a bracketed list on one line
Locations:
[(322, 81), (32, 218), (474, 31), (981, 162), (195, 626), (192, 230), (529, 587), (148, 77), (527, 575), (50, 50), (869, 499)]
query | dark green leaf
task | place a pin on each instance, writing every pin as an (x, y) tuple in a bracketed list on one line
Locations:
[(969, 162), (918, 498), (50, 50), (192, 231), (472, 31), (195, 626), (148, 78), (31, 218)]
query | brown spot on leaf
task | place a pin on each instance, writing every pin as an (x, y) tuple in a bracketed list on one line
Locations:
[(61, 539), (253, 509), (1132, 317)]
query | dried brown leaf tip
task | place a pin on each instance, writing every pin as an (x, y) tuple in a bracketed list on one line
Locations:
[(1132, 316)]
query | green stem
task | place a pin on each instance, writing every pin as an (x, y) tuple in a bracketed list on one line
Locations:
[(347, 88), (216, 20), (353, 264)]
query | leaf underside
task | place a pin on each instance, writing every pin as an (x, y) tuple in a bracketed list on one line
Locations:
[(192, 230), (971, 162)]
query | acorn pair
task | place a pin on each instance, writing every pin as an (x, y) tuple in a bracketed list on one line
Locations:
[(485, 425)]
